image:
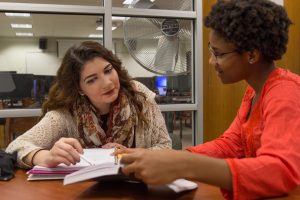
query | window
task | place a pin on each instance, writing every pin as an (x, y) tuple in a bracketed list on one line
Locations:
[(40, 54), (152, 44), (186, 5), (63, 2)]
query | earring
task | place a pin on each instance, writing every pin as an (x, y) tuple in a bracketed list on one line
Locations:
[(81, 94), (251, 61)]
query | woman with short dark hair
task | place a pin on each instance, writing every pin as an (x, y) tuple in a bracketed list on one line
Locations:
[(258, 155)]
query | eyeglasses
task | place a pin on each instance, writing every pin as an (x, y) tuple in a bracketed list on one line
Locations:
[(215, 55)]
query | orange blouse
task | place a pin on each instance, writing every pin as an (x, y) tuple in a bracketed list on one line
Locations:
[(263, 151)]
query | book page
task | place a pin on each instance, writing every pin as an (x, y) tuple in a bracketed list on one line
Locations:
[(92, 172), (98, 156)]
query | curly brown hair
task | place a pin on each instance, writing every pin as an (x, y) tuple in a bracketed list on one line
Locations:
[(65, 90), (251, 24)]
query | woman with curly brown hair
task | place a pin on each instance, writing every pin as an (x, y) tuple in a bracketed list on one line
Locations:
[(93, 103), (258, 156)]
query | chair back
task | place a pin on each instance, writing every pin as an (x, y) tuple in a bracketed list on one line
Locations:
[(176, 141)]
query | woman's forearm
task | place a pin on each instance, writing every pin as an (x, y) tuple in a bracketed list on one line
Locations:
[(36, 157), (206, 169)]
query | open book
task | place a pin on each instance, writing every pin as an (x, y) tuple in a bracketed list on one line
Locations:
[(96, 156), (112, 172), (103, 172), (103, 169)]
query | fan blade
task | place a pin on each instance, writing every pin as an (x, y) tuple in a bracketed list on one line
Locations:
[(167, 54), (155, 21), (173, 5), (184, 58), (163, 4), (150, 30), (185, 5), (145, 4)]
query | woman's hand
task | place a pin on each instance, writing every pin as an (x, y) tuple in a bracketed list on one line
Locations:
[(111, 145), (153, 166), (65, 150), (164, 166)]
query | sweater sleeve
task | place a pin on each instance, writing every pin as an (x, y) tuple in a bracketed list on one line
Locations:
[(155, 135), (275, 170), (160, 138), (53, 126)]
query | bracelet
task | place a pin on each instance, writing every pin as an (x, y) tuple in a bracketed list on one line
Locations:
[(35, 155)]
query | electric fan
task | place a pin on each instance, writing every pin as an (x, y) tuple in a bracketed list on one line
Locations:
[(162, 46)]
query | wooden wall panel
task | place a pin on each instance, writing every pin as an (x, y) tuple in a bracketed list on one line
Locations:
[(221, 102), (291, 60)]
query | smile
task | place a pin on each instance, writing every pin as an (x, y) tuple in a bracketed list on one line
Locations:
[(109, 92), (218, 70)]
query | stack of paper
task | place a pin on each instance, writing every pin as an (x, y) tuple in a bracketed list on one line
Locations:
[(96, 156), (59, 172)]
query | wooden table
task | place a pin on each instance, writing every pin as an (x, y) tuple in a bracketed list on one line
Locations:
[(21, 189)]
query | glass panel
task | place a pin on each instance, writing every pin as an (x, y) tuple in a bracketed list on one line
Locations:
[(28, 64), (179, 125), (158, 55), (63, 2), (186, 5)]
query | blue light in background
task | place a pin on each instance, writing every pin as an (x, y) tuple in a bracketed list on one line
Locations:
[(161, 85)]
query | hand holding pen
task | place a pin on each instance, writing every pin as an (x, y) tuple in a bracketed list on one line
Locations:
[(65, 150)]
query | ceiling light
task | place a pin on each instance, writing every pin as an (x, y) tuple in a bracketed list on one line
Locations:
[(100, 28), (17, 14), (95, 36), (21, 25), (127, 1), (117, 18), (24, 34)]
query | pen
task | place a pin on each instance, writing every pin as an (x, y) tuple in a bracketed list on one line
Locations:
[(85, 159), (118, 157)]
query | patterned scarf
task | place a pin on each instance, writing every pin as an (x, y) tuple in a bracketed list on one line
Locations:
[(121, 121)]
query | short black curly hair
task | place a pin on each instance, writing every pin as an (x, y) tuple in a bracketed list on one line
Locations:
[(251, 24)]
